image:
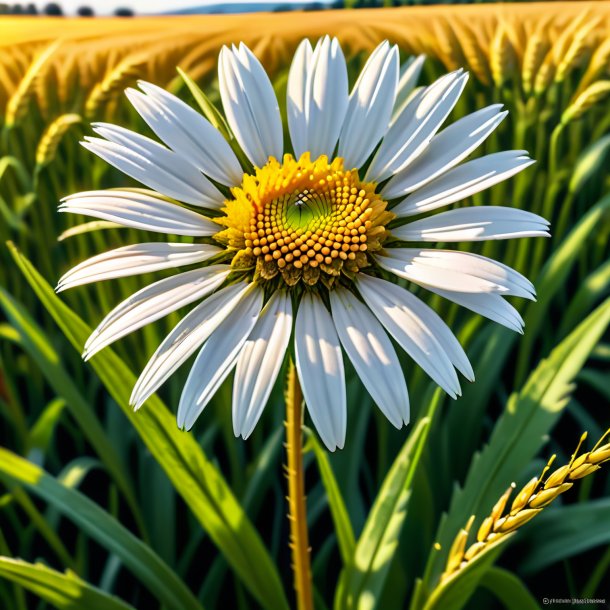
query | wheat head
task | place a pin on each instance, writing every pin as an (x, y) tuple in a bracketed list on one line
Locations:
[(47, 146), (590, 97), (502, 56), (583, 41), (531, 499), (536, 49), (17, 105)]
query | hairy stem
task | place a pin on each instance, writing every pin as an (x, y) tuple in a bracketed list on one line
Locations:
[(297, 509)]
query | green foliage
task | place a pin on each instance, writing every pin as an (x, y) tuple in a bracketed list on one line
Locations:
[(137, 556), (338, 510), (364, 576), (559, 534), (517, 437), (193, 476), (65, 591), (509, 589), (198, 519)]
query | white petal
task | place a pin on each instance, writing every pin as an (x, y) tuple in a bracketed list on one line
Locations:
[(217, 357), (418, 330), (187, 133), (259, 363), (451, 270), (464, 180), (409, 75), (370, 351), (154, 302), (250, 104), (491, 306), (446, 150), (319, 365), (185, 338), (297, 96), (134, 260), (153, 165), (139, 210), (317, 97), (475, 224), (415, 127), (370, 106)]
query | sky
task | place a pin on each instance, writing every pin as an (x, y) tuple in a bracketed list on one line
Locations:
[(107, 7)]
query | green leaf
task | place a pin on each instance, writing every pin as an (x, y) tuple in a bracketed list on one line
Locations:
[(92, 519), (208, 109), (36, 343), (455, 591), (338, 511), (590, 162), (554, 275), (213, 115), (88, 227), (194, 477), (42, 430), (65, 591), (520, 432), (363, 578), (564, 532), (509, 589), (595, 286)]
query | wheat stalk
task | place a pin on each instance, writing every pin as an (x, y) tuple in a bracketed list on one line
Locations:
[(533, 498)]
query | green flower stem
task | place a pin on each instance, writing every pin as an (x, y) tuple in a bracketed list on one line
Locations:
[(297, 508)]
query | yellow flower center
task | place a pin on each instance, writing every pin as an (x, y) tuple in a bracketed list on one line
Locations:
[(303, 220)]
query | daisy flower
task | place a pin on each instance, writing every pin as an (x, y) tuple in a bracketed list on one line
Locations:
[(295, 240)]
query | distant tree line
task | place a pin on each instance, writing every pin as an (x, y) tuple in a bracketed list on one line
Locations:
[(53, 9), (389, 3)]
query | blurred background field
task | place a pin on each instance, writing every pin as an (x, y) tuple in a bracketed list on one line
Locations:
[(210, 509)]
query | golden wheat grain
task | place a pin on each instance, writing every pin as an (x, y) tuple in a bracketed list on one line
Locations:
[(599, 65), (6, 87), (68, 81), (582, 43), (545, 74), (166, 56), (502, 56), (536, 49), (473, 50), (447, 48), (590, 97), (531, 500), (125, 73), (46, 89), (566, 34), (517, 35), (17, 105), (47, 146), (21, 56)]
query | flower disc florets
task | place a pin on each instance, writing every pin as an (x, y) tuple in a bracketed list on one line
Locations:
[(303, 221)]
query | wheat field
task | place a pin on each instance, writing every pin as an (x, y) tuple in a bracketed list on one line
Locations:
[(104, 508)]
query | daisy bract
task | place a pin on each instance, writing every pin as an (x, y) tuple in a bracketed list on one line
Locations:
[(296, 246)]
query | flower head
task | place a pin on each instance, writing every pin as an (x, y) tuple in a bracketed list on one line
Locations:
[(299, 240)]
